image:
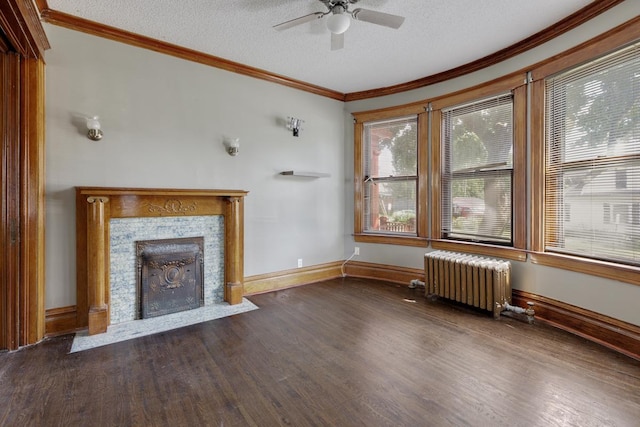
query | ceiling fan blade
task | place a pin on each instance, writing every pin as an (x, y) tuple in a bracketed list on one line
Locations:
[(301, 20), (379, 18), (337, 41)]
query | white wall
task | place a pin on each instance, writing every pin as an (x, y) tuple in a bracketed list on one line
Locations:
[(609, 297), (164, 120)]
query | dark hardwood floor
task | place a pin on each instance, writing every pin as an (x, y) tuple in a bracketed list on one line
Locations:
[(345, 352)]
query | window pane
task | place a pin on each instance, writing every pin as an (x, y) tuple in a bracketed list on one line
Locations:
[(477, 173), (593, 159), (391, 175), (475, 217), (392, 206), (482, 137), (604, 219)]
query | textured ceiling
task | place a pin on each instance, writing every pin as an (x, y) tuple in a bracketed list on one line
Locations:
[(437, 35)]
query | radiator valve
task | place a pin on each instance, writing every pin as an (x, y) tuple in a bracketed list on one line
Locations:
[(529, 312)]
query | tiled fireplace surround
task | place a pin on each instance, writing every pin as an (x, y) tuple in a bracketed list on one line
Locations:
[(110, 220)]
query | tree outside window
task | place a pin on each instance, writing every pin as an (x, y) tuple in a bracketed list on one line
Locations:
[(476, 190), (390, 175)]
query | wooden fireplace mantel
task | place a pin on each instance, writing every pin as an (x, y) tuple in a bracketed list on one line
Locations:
[(95, 206)]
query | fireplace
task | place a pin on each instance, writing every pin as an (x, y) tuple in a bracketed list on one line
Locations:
[(97, 210), (170, 275)]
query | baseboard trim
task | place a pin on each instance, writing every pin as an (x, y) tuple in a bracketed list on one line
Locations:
[(263, 283), (615, 334), (389, 273), (60, 321)]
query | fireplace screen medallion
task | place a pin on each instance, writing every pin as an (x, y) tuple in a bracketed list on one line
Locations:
[(170, 275)]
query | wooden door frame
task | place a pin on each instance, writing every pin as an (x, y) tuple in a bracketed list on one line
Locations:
[(22, 44)]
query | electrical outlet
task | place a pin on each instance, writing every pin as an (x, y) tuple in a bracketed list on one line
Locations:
[(299, 262), (356, 250)]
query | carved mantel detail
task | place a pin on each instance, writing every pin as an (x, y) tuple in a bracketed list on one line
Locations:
[(95, 206), (174, 206)]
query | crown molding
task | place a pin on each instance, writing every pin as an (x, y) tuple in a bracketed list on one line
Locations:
[(574, 20), (94, 28), (21, 25)]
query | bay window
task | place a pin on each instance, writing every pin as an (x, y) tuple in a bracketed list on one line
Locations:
[(592, 159)]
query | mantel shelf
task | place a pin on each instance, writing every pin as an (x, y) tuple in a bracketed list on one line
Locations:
[(305, 174)]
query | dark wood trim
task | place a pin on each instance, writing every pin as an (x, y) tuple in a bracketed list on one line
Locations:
[(389, 273), (21, 24), (269, 282), (60, 321), (79, 24), (612, 333), (32, 325), (609, 270), (572, 21), (10, 211), (94, 28), (22, 170), (506, 252), (602, 44)]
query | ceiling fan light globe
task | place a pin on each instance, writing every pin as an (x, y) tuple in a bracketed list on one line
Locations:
[(338, 23)]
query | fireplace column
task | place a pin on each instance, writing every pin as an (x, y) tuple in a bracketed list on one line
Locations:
[(234, 236), (96, 257)]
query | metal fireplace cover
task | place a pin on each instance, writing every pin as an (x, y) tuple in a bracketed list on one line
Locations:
[(170, 275)]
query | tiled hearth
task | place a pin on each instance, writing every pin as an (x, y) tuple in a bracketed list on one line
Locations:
[(139, 328), (126, 231)]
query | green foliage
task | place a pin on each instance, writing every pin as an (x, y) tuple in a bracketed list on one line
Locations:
[(403, 147), (403, 216), (604, 106)]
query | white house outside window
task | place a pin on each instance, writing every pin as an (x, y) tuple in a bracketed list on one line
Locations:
[(592, 159)]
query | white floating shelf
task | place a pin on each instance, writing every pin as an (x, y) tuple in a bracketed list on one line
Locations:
[(305, 174)]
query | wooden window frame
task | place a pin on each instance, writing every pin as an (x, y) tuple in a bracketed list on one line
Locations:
[(418, 239), (606, 43), (516, 84)]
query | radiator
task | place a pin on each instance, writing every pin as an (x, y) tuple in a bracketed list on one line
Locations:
[(469, 279)]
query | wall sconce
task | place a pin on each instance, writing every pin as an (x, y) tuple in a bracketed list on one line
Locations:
[(232, 145), (94, 133), (294, 124)]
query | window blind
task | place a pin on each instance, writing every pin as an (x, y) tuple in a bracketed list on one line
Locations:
[(592, 159), (477, 175)]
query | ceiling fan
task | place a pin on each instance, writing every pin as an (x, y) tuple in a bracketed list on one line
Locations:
[(340, 18)]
